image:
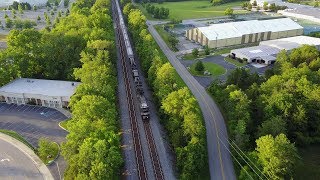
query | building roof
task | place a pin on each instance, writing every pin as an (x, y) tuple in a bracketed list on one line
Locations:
[(292, 42), (41, 87), (237, 29), (269, 49), (308, 11), (257, 51)]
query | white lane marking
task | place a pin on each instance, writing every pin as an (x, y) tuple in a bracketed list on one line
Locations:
[(6, 159)]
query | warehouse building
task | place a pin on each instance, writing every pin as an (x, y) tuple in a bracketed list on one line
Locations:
[(49, 93), (233, 33), (267, 51), (307, 13)]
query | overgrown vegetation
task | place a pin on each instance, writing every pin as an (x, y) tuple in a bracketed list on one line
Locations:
[(266, 115), (179, 110)]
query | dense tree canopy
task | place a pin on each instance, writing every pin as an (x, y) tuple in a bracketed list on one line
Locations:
[(286, 101)]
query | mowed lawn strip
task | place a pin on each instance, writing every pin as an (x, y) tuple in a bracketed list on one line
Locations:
[(195, 9), (214, 69)]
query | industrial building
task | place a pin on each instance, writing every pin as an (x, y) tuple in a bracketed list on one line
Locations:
[(243, 32), (49, 93), (267, 51), (307, 13)]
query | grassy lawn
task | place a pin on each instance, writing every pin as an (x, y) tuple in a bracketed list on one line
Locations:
[(214, 69), (195, 9), (165, 36), (17, 136), (64, 124), (309, 169), (235, 62)]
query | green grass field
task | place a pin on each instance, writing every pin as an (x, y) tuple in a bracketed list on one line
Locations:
[(309, 168), (195, 9), (214, 69)]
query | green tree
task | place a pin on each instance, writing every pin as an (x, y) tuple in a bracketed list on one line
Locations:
[(265, 6), (277, 155), (173, 41), (254, 3), (35, 8), (38, 18), (206, 50), (47, 149), (228, 12), (199, 66), (249, 7), (9, 23), (274, 126), (195, 52), (66, 3), (20, 9)]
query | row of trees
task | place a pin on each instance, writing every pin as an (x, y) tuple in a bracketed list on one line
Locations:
[(92, 149), (157, 12), (179, 110), (265, 113)]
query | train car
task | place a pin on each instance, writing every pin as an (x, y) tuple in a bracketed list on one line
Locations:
[(144, 108)]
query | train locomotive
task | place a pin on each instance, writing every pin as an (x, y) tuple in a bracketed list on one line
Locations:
[(144, 108)]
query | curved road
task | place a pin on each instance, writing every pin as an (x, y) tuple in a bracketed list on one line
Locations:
[(220, 163), (17, 161)]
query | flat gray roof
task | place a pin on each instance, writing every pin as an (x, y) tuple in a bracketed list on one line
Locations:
[(41, 87)]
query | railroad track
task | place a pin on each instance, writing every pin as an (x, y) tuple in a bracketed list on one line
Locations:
[(157, 169), (130, 95), (142, 173)]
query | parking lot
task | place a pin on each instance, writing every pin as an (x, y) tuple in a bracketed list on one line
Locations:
[(33, 123)]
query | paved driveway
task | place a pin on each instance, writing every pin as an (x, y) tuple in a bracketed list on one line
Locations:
[(33, 123)]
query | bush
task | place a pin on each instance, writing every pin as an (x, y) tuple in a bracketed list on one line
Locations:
[(195, 52), (47, 150), (199, 66)]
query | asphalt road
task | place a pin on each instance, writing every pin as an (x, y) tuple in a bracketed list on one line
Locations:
[(220, 162), (14, 164)]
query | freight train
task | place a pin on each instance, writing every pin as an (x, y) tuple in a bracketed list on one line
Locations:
[(144, 108)]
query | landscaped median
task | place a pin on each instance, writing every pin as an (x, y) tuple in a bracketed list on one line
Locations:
[(213, 69), (235, 62), (48, 151)]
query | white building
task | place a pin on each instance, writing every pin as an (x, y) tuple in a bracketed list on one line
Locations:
[(261, 2), (4, 3), (50, 93), (308, 13), (267, 51), (243, 32)]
